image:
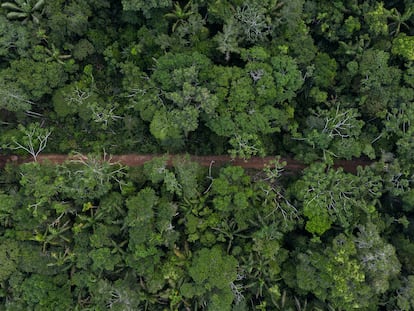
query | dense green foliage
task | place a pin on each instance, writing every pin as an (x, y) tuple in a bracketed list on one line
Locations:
[(93, 235), (317, 80)]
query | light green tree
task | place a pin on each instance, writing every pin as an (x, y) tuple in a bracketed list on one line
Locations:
[(212, 273), (331, 196), (335, 275)]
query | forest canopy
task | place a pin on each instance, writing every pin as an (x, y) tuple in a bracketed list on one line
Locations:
[(316, 81)]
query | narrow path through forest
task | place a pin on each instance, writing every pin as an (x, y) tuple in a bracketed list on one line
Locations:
[(218, 160)]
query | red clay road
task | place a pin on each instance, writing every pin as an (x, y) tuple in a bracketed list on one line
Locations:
[(220, 160)]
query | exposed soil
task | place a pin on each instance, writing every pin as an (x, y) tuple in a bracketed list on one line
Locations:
[(220, 160)]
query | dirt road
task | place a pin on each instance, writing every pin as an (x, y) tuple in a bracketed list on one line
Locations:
[(220, 160)]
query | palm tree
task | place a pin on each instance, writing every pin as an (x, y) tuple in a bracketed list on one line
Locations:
[(55, 55), (53, 235), (24, 10), (400, 19), (179, 14)]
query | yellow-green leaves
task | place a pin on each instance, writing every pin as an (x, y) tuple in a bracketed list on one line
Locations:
[(403, 45)]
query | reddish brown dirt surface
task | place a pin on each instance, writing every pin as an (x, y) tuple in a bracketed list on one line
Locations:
[(139, 159)]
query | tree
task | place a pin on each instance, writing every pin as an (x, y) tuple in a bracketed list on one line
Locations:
[(331, 196), (38, 189), (400, 20), (145, 6), (252, 100), (157, 172), (378, 82), (35, 77), (336, 132), (401, 46), (103, 259), (89, 177), (151, 235), (377, 257), (275, 197), (25, 10), (253, 22), (376, 18), (228, 39), (41, 292), (55, 55), (405, 294), (287, 76), (179, 14), (118, 295), (335, 275), (10, 252), (397, 127), (32, 140), (174, 97), (324, 74), (246, 146), (68, 22), (212, 273), (7, 205), (13, 98), (188, 177), (16, 39)]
